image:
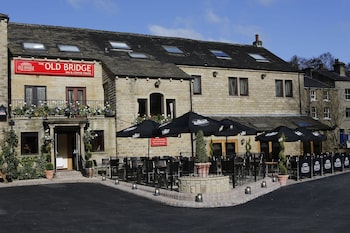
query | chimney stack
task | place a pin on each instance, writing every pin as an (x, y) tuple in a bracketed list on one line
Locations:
[(257, 42), (339, 67)]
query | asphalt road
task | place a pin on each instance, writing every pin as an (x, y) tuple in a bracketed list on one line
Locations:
[(316, 206)]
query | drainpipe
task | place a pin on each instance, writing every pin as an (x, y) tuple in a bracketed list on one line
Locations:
[(300, 106)]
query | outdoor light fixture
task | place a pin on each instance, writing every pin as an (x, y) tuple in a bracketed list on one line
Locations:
[(103, 177), (248, 190), (116, 181), (156, 192), (242, 142), (199, 197), (215, 73), (263, 184), (263, 76), (134, 186), (274, 179), (157, 83)]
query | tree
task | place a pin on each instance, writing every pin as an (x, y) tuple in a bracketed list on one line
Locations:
[(325, 59), (8, 155)]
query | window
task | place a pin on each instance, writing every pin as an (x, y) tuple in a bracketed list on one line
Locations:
[(156, 104), (325, 95), (197, 85), (279, 88), (142, 103), (314, 112), (289, 88), (243, 86), (33, 46), (313, 95), (235, 89), (138, 55), (220, 54), (172, 49), (29, 143), (347, 94), (170, 108), (258, 57), (119, 45), (347, 113), (68, 48), (35, 95), (97, 142), (76, 96), (326, 113)]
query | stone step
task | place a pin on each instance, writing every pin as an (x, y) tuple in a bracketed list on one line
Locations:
[(62, 174)]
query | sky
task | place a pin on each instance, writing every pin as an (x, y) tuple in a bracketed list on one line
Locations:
[(305, 28)]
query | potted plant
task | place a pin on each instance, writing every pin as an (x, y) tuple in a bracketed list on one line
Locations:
[(202, 159), (282, 164), (49, 171)]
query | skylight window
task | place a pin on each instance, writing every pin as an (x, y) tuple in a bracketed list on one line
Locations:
[(172, 49), (138, 55), (119, 45), (68, 48), (258, 57), (33, 46), (220, 54)]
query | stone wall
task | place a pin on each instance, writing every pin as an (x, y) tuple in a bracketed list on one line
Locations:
[(210, 184)]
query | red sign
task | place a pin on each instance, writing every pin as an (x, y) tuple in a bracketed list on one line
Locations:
[(54, 68), (159, 142)]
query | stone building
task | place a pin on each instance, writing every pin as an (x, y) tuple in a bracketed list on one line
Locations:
[(69, 82)]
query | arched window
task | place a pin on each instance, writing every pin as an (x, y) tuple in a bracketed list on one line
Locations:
[(156, 104)]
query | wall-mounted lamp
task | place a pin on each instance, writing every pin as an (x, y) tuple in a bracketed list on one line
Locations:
[(157, 83), (242, 141), (199, 197), (263, 76), (215, 73)]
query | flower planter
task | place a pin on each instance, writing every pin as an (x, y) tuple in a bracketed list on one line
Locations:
[(202, 169), (282, 179), (49, 174)]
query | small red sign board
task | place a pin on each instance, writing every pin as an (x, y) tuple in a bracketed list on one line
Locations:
[(54, 68), (159, 142)]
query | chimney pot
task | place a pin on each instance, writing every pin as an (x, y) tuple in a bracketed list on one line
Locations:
[(257, 42)]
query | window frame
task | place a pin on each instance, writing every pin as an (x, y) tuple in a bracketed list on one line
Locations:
[(326, 113), (32, 95), (313, 95), (197, 84), (279, 90), (32, 139)]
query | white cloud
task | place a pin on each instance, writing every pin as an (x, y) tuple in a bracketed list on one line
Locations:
[(174, 32), (212, 17)]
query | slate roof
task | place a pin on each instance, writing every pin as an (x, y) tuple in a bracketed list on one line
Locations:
[(315, 83), (94, 45)]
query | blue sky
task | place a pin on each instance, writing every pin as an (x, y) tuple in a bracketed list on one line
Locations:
[(306, 28)]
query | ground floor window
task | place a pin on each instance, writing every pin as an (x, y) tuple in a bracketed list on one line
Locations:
[(98, 141), (29, 143)]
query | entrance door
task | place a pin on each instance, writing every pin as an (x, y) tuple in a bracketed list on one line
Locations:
[(66, 149)]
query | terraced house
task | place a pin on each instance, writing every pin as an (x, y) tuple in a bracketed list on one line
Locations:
[(73, 83)]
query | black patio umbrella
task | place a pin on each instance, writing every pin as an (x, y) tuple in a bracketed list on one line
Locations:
[(233, 128), (309, 135), (190, 122), (275, 135), (145, 129)]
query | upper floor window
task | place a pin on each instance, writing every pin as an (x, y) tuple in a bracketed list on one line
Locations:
[(284, 89), (220, 54), (313, 95), (119, 45), (314, 112), (197, 84), (279, 88), (35, 95), (347, 113), (347, 94), (172, 49), (156, 103), (326, 113), (325, 95), (68, 48), (76, 96), (238, 86), (33, 46)]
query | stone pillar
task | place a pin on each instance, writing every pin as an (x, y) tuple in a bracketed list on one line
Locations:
[(3, 64)]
